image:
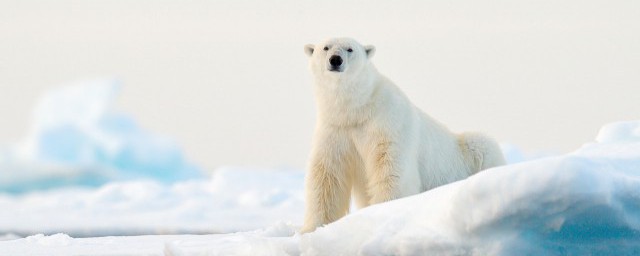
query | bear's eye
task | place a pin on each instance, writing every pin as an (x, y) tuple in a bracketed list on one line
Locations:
[(350, 50), (326, 48)]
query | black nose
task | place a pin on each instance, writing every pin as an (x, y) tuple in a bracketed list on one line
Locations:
[(335, 60)]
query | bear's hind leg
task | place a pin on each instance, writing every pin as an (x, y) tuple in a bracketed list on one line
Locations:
[(482, 151)]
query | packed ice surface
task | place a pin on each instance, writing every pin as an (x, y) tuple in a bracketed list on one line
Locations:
[(78, 138), (583, 203)]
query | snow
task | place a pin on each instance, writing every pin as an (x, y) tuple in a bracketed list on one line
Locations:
[(234, 199), (78, 138), (279, 239), (627, 131), (61, 244), (583, 203), (276, 240), (569, 204)]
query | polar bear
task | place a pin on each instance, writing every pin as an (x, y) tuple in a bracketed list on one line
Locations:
[(371, 142)]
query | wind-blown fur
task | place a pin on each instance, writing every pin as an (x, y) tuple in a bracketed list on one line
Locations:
[(371, 142)]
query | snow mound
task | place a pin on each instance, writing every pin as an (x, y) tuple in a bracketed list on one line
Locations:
[(628, 131), (567, 205), (57, 239), (77, 138)]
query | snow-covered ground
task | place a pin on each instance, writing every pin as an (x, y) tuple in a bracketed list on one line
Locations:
[(586, 202), (111, 177)]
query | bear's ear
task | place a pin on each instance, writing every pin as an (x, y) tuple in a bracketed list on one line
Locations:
[(308, 49), (370, 50)]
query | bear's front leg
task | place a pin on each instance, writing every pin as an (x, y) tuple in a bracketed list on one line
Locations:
[(328, 183)]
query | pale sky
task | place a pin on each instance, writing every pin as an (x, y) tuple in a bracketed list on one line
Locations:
[(228, 80)]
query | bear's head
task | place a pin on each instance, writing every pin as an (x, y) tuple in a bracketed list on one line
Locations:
[(338, 57)]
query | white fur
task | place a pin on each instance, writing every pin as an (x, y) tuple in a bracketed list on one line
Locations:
[(373, 143)]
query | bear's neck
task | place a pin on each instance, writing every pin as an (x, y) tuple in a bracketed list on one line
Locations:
[(347, 101)]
